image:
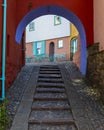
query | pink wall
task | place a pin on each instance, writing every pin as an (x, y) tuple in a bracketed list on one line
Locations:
[(64, 50), (29, 51), (99, 22)]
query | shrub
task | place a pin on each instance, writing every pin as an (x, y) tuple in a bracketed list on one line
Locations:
[(4, 119)]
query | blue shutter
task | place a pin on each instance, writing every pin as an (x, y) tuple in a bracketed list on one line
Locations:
[(43, 47), (34, 48)]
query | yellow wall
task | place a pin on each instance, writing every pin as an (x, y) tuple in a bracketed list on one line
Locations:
[(74, 32)]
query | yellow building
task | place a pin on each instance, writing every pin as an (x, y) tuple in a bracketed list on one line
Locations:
[(73, 41)]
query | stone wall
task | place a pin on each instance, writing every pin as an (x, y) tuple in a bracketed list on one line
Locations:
[(95, 67)]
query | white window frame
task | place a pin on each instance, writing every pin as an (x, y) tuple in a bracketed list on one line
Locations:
[(60, 43)]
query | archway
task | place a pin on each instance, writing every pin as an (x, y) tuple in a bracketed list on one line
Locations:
[(56, 10)]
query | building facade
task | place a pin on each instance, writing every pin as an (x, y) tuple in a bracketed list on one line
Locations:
[(48, 39)]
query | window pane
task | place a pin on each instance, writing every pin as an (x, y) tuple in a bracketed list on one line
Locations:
[(57, 20), (31, 26), (40, 47), (38, 51), (39, 44), (60, 43)]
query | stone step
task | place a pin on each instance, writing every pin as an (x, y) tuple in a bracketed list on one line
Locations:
[(50, 76), (50, 108), (49, 69), (50, 116), (50, 95), (50, 89), (52, 127), (50, 80), (54, 121), (51, 104), (39, 84), (50, 98), (49, 72)]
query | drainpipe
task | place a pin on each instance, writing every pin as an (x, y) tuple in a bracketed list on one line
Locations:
[(3, 50)]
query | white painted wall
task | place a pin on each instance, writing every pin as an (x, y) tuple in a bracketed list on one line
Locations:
[(45, 29)]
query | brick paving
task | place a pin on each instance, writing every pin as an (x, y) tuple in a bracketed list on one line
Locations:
[(88, 113)]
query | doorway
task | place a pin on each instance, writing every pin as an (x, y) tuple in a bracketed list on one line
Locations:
[(51, 52), (73, 48)]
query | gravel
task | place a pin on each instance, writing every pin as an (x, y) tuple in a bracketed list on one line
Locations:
[(16, 90)]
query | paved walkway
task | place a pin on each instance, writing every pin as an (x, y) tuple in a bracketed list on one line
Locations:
[(87, 113)]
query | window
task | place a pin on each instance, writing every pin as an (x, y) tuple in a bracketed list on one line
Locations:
[(39, 48), (57, 20), (73, 48), (31, 26), (60, 43)]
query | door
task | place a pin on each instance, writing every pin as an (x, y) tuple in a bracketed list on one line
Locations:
[(51, 52)]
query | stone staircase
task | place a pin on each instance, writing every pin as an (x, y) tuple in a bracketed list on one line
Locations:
[(50, 108)]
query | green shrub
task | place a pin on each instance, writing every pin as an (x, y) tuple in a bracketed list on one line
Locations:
[(4, 119)]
